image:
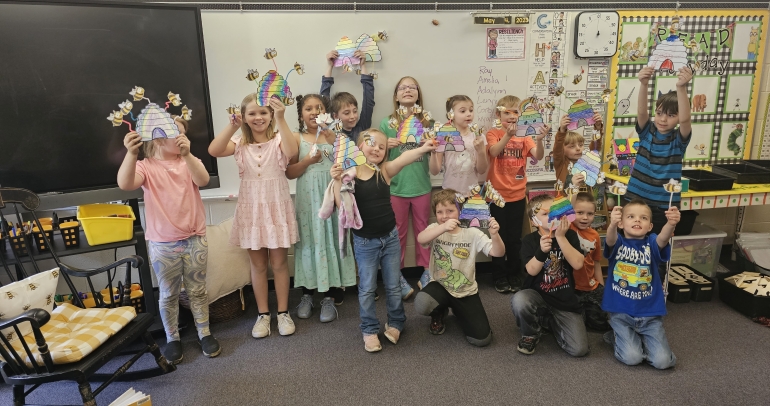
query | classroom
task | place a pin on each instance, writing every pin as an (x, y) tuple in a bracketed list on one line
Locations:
[(477, 202)]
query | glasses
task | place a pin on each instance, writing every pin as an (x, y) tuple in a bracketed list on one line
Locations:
[(403, 88)]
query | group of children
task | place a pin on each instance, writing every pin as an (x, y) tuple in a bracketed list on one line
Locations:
[(554, 272)]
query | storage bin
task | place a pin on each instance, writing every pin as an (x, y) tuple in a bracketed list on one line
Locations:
[(702, 181), (741, 300), (700, 249), (106, 223), (701, 286), (743, 172), (678, 288)]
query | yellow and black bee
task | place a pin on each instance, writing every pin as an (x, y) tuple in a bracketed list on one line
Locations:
[(358, 71), (450, 115), (417, 109), (252, 75), (373, 75), (186, 113), (381, 35), (116, 117), (10, 295), (426, 115), (233, 109), (174, 99), (577, 78), (48, 299), (287, 100), (347, 67), (606, 94), (270, 53), (126, 107), (393, 122), (299, 68), (498, 124), (137, 92), (559, 90)]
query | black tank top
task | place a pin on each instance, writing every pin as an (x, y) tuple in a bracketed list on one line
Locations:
[(373, 200)]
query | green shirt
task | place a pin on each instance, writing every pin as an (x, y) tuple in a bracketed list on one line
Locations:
[(414, 179)]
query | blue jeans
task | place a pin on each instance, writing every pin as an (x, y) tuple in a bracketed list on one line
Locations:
[(641, 338), (530, 309), (371, 254)]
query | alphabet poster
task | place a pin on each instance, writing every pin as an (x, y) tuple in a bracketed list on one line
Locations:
[(724, 50)]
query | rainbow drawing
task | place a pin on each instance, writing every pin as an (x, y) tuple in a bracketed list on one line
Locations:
[(409, 133), (154, 123), (273, 85), (590, 166), (449, 139), (346, 152), (580, 114), (530, 121), (369, 47), (345, 49), (475, 212), (560, 208)]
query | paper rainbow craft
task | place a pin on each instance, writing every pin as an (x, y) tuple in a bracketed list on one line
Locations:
[(449, 139), (580, 114), (154, 123), (560, 208), (670, 54), (410, 132), (273, 85), (366, 44), (346, 152), (590, 166), (529, 122), (475, 212), (345, 49)]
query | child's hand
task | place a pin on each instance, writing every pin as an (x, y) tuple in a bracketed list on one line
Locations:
[(183, 143), (561, 229), (545, 243), (331, 57), (278, 108), (598, 123), (451, 224), (684, 76), (494, 228), (360, 55), (236, 120), (336, 171), (478, 145), (616, 215), (132, 142), (578, 178), (563, 123), (314, 159), (673, 215), (511, 131), (392, 142), (646, 74), (429, 146), (543, 131)]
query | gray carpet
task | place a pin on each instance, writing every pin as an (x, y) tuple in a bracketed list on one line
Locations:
[(723, 358)]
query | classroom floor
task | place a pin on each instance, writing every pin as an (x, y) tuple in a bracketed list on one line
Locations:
[(722, 359)]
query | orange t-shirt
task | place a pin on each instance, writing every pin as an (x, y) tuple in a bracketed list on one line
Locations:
[(507, 171), (591, 246)]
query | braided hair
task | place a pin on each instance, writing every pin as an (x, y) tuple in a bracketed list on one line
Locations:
[(301, 100)]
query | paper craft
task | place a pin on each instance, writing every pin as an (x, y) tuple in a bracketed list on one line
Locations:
[(449, 139), (590, 166), (323, 120), (625, 146), (270, 53), (476, 130), (345, 152), (252, 75), (530, 121), (233, 109), (618, 188), (475, 212), (273, 85), (580, 114), (137, 92), (409, 133), (673, 186), (369, 47), (300, 69), (561, 207), (381, 35), (154, 122), (186, 113), (670, 54), (345, 49)]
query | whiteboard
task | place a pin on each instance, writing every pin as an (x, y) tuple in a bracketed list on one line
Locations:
[(446, 59)]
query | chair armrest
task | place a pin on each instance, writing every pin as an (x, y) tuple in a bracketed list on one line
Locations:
[(36, 317), (134, 260)]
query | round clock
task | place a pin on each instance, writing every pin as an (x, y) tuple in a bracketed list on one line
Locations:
[(596, 34)]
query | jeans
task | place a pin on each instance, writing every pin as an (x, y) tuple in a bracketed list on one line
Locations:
[(530, 308), (594, 316), (641, 338), (371, 254)]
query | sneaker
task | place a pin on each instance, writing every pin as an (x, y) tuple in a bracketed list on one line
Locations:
[(173, 352), (328, 310), (372, 343), (305, 307), (424, 280), (609, 338), (527, 344), (261, 327), (517, 282), (210, 346), (502, 286), (392, 334), (285, 324), (406, 289), (437, 326)]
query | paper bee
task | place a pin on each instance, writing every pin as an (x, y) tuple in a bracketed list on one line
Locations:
[(252, 75), (402, 110), (426, 115), (137, 92), (606, 95), (673, 186), (381, 35), (450, 114), (558, 186), (270, 53), (597, 135), (116, 117), (336, 126), (498, 124), (358, 71), (577, 78), (373, 75), (618, 188), (559, 90), (186, 113), (417, 109), (174, 99), (347, 67), (300, 69), (125, 107), (233, 109), (393, 122)]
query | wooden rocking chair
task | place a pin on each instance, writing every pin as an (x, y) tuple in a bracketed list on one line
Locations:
[(18, 373)]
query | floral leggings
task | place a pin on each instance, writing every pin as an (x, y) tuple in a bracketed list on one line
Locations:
[(176, 262)]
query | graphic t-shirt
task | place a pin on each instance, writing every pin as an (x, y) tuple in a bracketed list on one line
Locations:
[(633, 284), (507, 171), (591, 247), (414, 179), (555, 281), (453, 260)]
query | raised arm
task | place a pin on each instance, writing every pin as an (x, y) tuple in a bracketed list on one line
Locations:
[(127, 177), (436, 161), (558, 145), (673, 215), (200, 176), (367, 107), (498, 247), (685, 122), (288, 143), (392, 168), (567, 244), (612, 230), (328, 80), (498, 147), (482, 163), (221, 145), (431, 233), (539, 150), (642, 108)]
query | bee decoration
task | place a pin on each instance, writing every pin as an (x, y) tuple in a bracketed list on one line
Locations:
[(252, 75), (32, 286), (300, 69), (450, 114), (426, 115), (358, 71), (498, 124), (48, 299), (559, 90), (126, 107), (381, 35), (137, 92), (174, 99), (347, 67), (233, 109), (270, 53), (116, 117), (10, 295), (186, 113), (417, 109), (393, 122), (373, 75)]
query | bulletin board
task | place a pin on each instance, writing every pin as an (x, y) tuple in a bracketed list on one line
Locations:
[(725, 50)]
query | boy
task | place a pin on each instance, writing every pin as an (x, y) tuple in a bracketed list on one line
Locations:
[(548, 299), (507, 172), (634, 296), (453, 270), (661, 145), (344, 105), (589, 283)]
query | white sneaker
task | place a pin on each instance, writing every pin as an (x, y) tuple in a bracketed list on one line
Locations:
[(261, 327), (285, 324)]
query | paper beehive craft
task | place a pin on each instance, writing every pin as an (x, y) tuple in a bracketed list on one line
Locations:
[(409, 133), (345, 49), (590, 166), (449, 139), (475, 212), (530, 121), (273, 85), (366, 44), (153, 122), (580, 114), (561, 207), (670, 54), (346, 152)]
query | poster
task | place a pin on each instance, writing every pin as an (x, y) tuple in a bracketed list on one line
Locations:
[(505, 44)]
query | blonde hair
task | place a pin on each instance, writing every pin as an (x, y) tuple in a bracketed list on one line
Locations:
[(149, 149), (364, 137), (395, 93), (450, 102), (508, 102), (573, 137), (247, 136)]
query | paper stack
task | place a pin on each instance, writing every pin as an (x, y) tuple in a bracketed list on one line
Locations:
[(132, 398)]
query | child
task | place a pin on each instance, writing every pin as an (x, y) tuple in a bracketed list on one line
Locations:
[(548, 299), (661, 146), (634, 296), (568, 149), (453, 270), (410, 190), (376, 243), (589, 283), (507, 172), (170, 177), (264, 221), (317, 260), (344, 105)]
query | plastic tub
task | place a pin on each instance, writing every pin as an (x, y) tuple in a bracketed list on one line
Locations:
[(106, 223), (700, 249), (743, 172), (703, 181)]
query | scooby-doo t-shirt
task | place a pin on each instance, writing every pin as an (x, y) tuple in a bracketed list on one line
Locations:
[(555, 282), (453, 260)]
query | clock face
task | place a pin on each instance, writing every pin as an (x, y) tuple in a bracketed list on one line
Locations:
[(596, 34)]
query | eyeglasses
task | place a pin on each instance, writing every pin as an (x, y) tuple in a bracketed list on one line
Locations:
[(403, 88)]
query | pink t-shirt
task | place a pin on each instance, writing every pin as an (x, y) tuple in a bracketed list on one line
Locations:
[(172, 202), (460, 167)]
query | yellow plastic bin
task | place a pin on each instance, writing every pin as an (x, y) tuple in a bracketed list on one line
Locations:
[(106, 223)]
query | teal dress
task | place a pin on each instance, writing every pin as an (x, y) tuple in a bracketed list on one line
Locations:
[(317, 261)]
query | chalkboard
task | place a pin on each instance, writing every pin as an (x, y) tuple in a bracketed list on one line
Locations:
[(65, 68)]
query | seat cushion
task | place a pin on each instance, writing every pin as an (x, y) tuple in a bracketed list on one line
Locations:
[(73, 333), (34, 292)]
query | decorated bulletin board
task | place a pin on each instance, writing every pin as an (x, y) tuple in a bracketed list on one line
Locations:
[(724, 50)]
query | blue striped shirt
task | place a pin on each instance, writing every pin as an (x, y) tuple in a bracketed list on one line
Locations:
[(658, 159)]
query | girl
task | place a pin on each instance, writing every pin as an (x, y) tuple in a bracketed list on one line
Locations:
[(317, 260), (264, 218), (376, 244), (410, 190), (175, 229), (568, 149)]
